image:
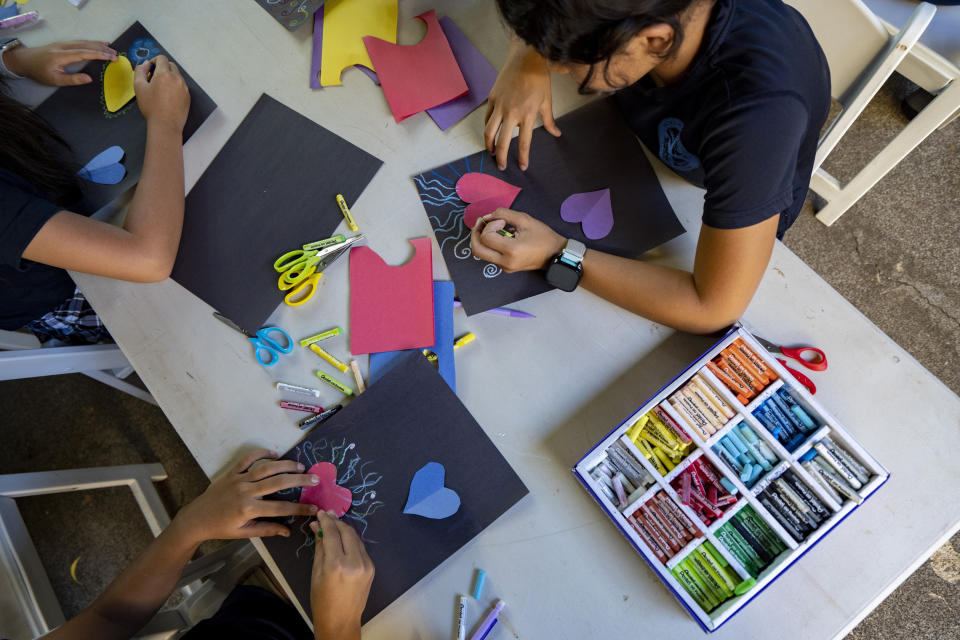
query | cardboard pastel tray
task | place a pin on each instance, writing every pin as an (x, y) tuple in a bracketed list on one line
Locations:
[(713, 620)]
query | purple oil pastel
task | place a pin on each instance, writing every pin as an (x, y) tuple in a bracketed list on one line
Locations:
[(317, 55), (479, 74), (592, 209)]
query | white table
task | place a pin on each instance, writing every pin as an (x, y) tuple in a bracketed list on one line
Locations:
[(555, 558)]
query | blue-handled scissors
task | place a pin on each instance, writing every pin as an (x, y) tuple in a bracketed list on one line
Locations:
[(300, 270), (263, 344)]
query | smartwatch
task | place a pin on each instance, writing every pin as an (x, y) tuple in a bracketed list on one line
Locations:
[(565, 271)]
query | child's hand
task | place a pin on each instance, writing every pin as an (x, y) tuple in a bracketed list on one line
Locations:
[(230, 506), (162, 93), (533, 246), (342, 575), (47, 64), (520, 94)]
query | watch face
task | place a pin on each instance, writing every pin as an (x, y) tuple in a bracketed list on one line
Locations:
[(563, 277)]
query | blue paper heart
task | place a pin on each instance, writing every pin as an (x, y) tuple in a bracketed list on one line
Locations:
[(105, 167), (141, 50), (428, 497)]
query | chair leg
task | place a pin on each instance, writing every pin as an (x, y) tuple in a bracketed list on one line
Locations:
[(927, 121), (121, 385)]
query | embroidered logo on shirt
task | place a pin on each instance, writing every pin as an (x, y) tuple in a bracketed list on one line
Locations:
[(672, 151)]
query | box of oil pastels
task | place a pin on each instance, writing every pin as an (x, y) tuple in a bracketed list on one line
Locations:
[(727, 476)]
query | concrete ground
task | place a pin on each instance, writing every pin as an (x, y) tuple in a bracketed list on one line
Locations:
[(895, 256)]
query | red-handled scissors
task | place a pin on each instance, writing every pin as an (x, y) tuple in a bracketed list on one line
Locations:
[(810, 357)]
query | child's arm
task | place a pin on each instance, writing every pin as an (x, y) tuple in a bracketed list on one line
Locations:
[(227, 509), (727, 271), (145, 248)]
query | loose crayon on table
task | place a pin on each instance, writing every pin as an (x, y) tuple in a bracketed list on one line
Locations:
[(461, 615), (336, 384), (329, 358), (478, 582), (345, 210), (313, 421), (301, 406), (355, 368), (293, 388), (329, 333)]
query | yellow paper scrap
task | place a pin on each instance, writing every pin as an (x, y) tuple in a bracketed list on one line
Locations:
[(118, 84), (345, 23), (73, 569)]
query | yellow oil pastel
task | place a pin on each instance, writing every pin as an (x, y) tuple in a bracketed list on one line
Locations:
[(345, 23), (73, 569), (118, 84)]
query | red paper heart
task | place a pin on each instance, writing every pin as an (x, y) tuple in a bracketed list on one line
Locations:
[(484, 194), (327, 494)]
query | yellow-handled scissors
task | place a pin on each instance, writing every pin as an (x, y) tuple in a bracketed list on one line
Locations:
[(300, 270)]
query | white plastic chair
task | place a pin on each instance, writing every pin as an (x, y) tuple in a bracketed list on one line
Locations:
[(22, 356), (28, 604), (863, 54)]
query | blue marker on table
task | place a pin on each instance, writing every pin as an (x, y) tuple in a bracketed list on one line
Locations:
[(489, 622), (478, 584)]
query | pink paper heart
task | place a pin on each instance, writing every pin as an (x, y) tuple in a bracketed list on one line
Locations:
[(592, 209), (484, 194), (327, 494)]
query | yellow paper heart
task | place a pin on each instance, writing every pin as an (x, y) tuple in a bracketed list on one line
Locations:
[(118, 84)]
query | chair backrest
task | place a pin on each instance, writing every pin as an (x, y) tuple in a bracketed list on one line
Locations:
[(849, 33)]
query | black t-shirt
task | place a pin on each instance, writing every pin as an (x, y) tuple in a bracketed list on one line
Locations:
[(27, 289), (744, 121)]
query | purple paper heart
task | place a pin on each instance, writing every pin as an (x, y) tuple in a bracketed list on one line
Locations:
[(592, 209)]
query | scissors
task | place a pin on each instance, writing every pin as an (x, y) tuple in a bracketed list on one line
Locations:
[(262, 342), (810, 357), (301, 269)]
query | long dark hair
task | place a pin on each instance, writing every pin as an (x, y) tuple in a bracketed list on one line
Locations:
[(589, 31), (32, 149)]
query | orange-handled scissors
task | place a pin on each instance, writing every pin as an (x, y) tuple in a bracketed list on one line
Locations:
[(300, 270), (810, 357)]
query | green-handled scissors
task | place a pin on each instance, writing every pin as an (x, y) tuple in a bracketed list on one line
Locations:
[(300, 270)]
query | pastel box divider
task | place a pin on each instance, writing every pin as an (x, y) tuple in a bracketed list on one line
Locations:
[(788, 460)]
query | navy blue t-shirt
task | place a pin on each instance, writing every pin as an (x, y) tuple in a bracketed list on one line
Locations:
[(744, 121), (27, 289)]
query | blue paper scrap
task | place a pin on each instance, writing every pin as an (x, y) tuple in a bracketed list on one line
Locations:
[(428, 497)]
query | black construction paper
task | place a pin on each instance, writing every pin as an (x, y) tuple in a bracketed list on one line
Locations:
[(291, 13), (80, 115), (596, 151), (271, 189), (408, 418)]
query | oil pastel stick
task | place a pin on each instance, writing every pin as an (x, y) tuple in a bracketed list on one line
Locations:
[(782, 421), (704, 406), (323, 353), (294, 388), (814, 470), (329, 333), (838, 465), (713, 585), (761, 531), (715, 398), (826, 471), (657, 536), (717, 556), (783, 409), (655, 439), (755, 359), (313, 421), (804, 492), (746, 362), (660, 414), (669, 516), (787, 525), (715, 569), (694, 410), (679, 533), (336, 384), (682, 574), (736, 366), (732, 462), (670, 506), (752, 540), (748, 560), (300, 406), (725, 374), (649, 454), (848, 460), (648, 540), (664, 459), (664, 531), (797, 410), (797, 521), (682, 411)]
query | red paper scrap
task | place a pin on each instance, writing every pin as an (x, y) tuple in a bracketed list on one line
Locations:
[(391, 308), (420, 76)]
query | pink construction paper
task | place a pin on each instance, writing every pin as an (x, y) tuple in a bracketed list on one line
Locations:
[(317, 55), (592, 209), (479, 74), (391, 308), (484, 194), (327, 494), (417, 77)]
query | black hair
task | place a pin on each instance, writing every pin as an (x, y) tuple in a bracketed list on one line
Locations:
[(589, 31), (32, 149)]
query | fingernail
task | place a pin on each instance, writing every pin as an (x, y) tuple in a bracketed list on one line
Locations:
[(501, 166), (314, 479), (300, 467), (314, 508), (523, 167), (274, 453), (331, 513)]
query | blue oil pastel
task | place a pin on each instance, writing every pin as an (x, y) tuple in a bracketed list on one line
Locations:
[(105, 167), (428, 497)]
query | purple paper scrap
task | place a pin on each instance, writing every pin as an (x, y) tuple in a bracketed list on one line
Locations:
[(478, 73)]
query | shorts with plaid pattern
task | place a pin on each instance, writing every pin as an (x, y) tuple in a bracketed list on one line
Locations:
[(73, 323)]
